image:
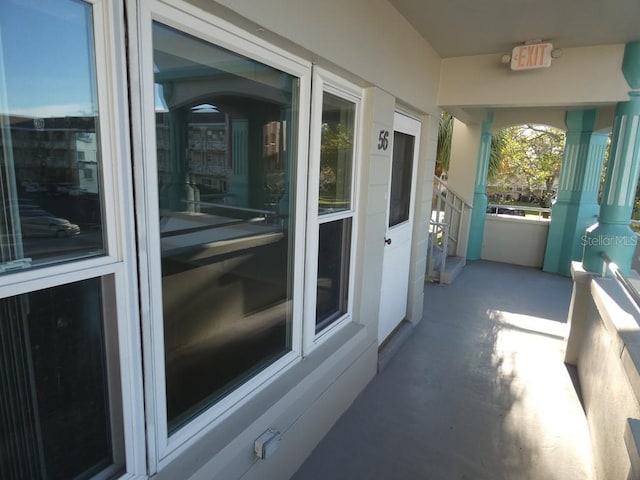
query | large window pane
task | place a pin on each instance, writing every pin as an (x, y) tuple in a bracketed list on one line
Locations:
[(54, 412), (334, 243), (336, 154), (225, 136), (49, 139)]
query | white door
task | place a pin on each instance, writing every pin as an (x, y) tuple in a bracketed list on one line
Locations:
[(397, 250)]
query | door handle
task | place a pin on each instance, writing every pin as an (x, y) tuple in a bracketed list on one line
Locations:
[(387, 241)]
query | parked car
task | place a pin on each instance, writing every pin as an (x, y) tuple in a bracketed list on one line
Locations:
[(63, 188), (31, 187), (500, 210), (77, 192), (47, 226)]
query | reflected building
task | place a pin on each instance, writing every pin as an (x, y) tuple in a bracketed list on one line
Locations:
[(48, 152), (87, 162), (217, 160)]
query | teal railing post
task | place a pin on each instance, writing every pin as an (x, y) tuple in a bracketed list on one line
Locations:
[(612, 234), (577, 205), (478, 214)]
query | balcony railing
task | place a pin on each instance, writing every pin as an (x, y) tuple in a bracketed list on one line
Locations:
[(445, 228), (540, 212)]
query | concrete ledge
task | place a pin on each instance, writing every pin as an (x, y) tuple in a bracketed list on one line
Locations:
[(632, 441), (580, 302), (393, 345), (616, 310), (608, 360), (631, 364)]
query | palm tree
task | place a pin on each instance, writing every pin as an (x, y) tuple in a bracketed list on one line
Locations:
[(443, 152), (495, 154)]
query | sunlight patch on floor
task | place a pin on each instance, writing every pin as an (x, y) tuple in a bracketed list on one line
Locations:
[(528, 354), (532, 324)]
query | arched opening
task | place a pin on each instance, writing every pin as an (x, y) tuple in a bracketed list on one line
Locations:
[(524, 168)]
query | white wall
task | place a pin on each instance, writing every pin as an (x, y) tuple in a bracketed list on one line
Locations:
[(582, 76), (424, 194), (367, 38), (462, 172), (464, 157), (515, 240), (378, 115), (554, 117)]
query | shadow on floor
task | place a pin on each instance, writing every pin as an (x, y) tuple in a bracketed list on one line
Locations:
[(480, 391)]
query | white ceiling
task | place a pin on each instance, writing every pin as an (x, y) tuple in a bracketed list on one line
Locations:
[(472, 27)]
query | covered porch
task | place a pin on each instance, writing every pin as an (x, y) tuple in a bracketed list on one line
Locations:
[(479, 391)]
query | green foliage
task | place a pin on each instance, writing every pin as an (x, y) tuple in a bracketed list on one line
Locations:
[(526, 155), (336, 137), (335, 148), (443, 153), (445, 134), (498, 142), (530, 155)]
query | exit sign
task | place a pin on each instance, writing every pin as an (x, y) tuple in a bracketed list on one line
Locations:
[(527, 57)]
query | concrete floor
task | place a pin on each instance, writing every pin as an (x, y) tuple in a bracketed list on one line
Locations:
[(479, 392)]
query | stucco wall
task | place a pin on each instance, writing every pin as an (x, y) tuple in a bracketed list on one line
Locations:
[(374, 174), (515, 240), (582, 76), (464, 157), (367, 38), (424, 194)]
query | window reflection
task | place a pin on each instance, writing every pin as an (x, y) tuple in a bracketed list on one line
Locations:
[(224, 130), (336, 153), (49, 142)]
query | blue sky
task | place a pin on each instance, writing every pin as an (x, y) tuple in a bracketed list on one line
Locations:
[(48, 58)]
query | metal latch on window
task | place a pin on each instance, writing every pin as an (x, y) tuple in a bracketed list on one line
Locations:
[(15, 265)]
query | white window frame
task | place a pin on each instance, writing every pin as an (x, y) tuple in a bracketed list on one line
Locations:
[(325, 81), (162, 448), (116, 268)]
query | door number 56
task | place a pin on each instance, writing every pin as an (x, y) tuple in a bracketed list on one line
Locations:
[(383, 140)]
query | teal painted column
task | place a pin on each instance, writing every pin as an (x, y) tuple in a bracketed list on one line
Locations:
[(612, 233), (577, 205), (478, 214)]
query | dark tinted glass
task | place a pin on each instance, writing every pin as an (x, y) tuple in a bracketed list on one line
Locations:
[(333, 271), (226, 152), (54, 413), (401, 170)]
